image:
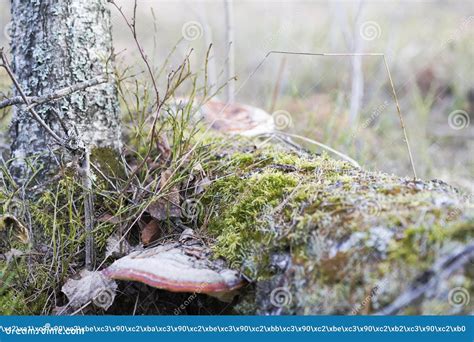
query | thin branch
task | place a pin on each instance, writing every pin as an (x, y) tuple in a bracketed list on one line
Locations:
[(55, 95), (395, 97), (133, 29), (178, 77)]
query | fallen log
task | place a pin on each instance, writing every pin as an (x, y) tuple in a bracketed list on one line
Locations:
[(319, 236), (314, 235)]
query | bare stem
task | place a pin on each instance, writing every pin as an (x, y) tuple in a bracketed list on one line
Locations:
[(88, 209), (175, 79), (400, 117)]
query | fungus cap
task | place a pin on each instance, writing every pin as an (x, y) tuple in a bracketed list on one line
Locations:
[(177, 268)]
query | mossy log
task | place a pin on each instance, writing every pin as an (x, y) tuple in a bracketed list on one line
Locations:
[(318, 236), (310, 234)]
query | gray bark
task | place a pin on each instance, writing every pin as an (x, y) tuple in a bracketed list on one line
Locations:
[(56, 44)]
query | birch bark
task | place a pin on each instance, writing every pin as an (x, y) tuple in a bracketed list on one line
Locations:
[(56, 44)]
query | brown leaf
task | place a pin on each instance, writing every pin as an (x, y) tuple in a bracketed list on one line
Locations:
[(106, 217), (163, 146), (167, 206), (165, 176), (161, 209), (151, 232)]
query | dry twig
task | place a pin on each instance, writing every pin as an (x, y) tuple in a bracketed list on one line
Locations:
[(55, 95)]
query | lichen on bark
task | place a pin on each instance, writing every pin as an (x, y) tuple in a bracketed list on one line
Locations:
[(56, 44)]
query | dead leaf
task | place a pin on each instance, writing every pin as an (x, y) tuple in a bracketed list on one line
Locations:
[(161, 209), (117, 248), (151, 232), (106, 217), (90, 287), (169, 205)]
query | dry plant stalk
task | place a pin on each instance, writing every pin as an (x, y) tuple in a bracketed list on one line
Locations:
[(230, 61), (394, 93), (88, 209), (175, 79)]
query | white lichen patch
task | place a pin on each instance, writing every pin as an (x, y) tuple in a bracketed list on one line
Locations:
[(73, 45)]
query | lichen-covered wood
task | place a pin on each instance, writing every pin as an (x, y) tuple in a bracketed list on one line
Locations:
[(56, 44), (318, 236)]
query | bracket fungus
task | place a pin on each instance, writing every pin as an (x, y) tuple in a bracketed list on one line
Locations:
[(237, 118), (183, 266), (231, 118)]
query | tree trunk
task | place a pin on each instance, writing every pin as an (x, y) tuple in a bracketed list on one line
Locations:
[(56, 44)]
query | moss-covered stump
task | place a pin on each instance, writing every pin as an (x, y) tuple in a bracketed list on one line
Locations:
[(317, 236)]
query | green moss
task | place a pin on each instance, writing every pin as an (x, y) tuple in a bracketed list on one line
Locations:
[(108, 161), (243, 159), (462, 231), (57, 218), (286, 158), (58, 215), (408, 248), (26, 299), (271, 201), (239, 226), (261, 202)]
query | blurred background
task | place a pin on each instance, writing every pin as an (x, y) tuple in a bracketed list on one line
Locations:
[(345, 102)]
